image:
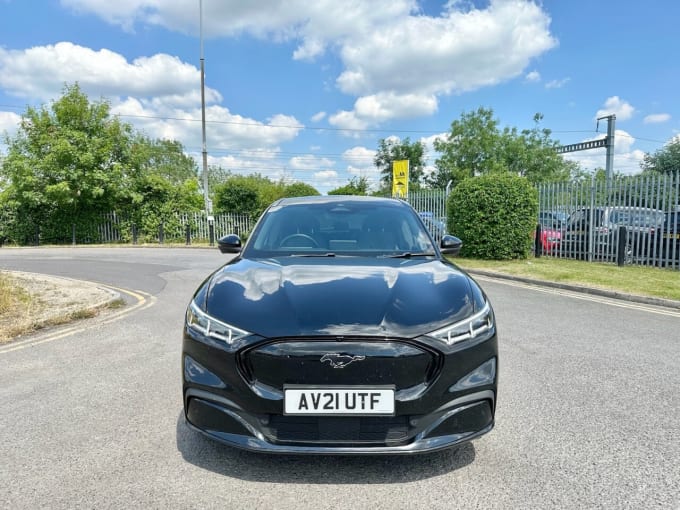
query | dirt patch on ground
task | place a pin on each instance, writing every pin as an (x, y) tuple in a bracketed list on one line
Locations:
[(53, 300)]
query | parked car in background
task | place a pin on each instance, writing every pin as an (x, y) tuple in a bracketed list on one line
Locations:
[(666, 240), (552, 224), (434, 224), (555, 220), (550, 238), (600, 226)]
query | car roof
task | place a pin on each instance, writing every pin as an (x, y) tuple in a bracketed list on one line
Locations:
[(619, 208), (339, 199)]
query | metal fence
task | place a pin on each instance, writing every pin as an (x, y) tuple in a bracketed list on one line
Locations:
[(628, 220), (431, 206), (179, 227), (113, 227), (223, 224)]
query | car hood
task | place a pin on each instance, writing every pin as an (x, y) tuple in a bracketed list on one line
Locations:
[(353, 296)]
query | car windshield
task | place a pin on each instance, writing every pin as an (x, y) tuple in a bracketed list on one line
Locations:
[(337, 229), (553, 219)]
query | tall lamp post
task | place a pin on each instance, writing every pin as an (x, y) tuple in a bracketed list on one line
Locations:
[(206, 197)]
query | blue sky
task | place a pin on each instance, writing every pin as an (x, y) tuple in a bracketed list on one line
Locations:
[(304, 90)]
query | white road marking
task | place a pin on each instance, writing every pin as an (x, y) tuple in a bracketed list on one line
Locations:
[(582, 296)]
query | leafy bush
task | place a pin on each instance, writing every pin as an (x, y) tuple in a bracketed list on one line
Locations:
[(252, 194), (494, 215)]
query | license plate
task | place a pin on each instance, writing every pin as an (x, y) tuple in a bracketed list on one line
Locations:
[(671, 236), (352, 400)]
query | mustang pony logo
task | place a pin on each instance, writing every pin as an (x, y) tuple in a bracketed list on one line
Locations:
[(340, 360)]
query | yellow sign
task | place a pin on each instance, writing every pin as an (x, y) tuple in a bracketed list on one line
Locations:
[(400, 178)]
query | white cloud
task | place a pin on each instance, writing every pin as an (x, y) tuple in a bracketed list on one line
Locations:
[(459, 51), (615, 105), (533, 76), (557, 84), (382, 107), (389, 48), (360, 164), (424, 57), (314, 24), (359, 155), (318, 117), (40, 73), (430, 153), (267, 163), (326, 175), (657, 118), (310, 162), (9, 122), (428, 141), (224, 130), (348, 120), (160, 94)]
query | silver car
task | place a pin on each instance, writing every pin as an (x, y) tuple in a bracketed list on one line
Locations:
[(599, 227)]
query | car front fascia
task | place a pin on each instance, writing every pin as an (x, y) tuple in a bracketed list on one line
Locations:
[(256, 442), (240, 401)]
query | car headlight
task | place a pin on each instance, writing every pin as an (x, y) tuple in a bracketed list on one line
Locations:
[(206, 325), (466, 329)]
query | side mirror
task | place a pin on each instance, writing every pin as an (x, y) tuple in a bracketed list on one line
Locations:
[(450, 245), (229, 244)]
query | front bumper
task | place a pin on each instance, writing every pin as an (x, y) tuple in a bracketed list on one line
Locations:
[(462, 420), (237, 399)]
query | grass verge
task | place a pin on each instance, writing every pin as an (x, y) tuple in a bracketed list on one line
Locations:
[(29, 303), (15, 304), (640, 280)]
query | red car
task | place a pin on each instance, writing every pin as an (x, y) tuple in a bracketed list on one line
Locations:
[(550, 239)]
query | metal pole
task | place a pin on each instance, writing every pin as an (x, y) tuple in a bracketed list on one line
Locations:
[(206, 199), (591, 220), (611, 125)]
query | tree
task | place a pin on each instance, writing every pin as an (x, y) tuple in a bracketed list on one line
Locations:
[(238, 194), (477, 146), (471, 148), (68, 162), (392, 149), (356, 186), (160, 200), (216, 175), (299, 189), (533, 154), (165, 158), (665, 160), (72, 161), (252, 194)]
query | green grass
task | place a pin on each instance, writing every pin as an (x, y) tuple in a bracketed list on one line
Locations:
[(640, 280)]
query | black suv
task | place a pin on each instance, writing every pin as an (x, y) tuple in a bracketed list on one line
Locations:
[(600, 226)]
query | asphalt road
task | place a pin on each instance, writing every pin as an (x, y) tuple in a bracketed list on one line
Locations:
[(587, 414)]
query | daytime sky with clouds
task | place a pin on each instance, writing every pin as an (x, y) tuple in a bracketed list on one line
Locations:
[(304, 90)]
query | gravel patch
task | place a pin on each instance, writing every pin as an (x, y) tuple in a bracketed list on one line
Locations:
[(54, 300)]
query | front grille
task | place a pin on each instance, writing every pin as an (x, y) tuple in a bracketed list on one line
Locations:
[(342, 429), (378, 362)]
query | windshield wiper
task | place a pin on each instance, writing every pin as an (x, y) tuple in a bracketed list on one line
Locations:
[(408, 255)]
